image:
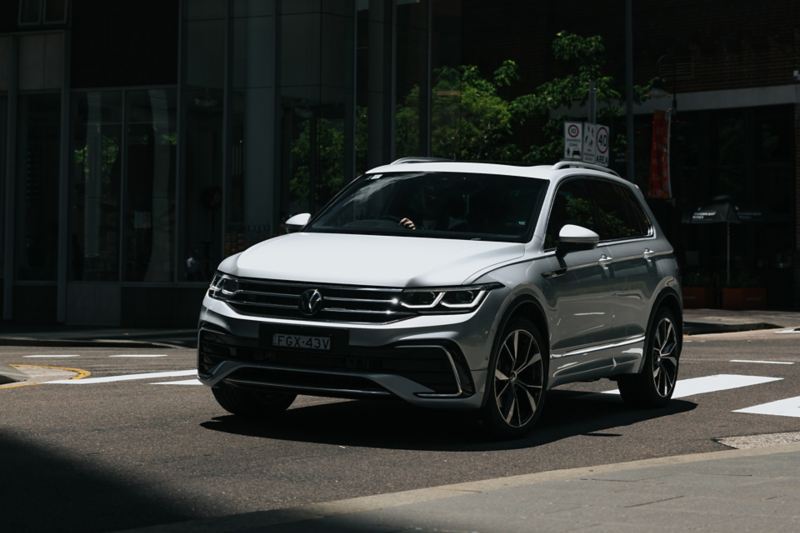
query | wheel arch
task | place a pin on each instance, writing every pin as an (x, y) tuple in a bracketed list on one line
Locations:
[(669, 298), (527, 306)]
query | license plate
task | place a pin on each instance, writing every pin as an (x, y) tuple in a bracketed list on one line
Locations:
[(306, 342)]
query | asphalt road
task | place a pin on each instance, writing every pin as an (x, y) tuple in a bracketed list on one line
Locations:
[(126, 454)]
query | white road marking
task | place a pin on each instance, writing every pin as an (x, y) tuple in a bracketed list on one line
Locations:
[(761, 362), (50, 356), (791, 330), (139, 355), (715, 383), (786, 407), (181, 382), (127, 377)]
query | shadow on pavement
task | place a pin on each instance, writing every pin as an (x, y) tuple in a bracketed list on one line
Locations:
[(395, 425), (43, 489)]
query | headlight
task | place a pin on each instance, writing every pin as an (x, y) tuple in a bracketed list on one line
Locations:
[(223, 286), (446, 299)]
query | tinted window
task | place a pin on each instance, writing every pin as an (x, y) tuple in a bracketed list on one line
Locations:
[(572, 205), (437, 204), (618, 213)]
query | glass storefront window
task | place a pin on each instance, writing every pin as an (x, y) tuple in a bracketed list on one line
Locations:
[(38, 122), (150, 185), (411, 92), (94, 186), (3, 126), (250, 213), (204, 49)]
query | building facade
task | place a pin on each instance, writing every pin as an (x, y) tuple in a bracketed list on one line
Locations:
[(142, 142)]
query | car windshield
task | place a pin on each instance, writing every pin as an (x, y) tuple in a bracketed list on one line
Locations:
[(436, 204)]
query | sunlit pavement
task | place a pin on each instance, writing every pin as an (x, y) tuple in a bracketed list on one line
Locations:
[(146, 446)]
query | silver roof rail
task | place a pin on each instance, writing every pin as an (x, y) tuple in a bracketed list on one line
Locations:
[(418, 159), (581, 164)]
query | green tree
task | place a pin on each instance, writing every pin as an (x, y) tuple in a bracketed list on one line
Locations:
[(471, 119)]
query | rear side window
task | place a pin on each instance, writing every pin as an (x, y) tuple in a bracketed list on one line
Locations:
[(618, 213), (572, 205)]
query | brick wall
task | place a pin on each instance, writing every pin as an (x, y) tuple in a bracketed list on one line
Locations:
[(695, 45), (717, 44)]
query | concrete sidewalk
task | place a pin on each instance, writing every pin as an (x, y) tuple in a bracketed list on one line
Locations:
[(699, 321), (735, 490)]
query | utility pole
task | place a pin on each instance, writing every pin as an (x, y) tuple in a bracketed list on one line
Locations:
[(631, 167), (593, 102)]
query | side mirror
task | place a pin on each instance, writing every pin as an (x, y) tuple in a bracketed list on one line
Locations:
[(297, 222), (573, 237)]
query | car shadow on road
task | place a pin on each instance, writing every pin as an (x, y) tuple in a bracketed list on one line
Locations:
[(48, 488), (396, 425)]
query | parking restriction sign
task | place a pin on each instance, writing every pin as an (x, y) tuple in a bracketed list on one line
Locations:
[(573, 138)]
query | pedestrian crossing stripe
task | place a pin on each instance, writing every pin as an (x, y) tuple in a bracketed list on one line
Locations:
[(785, 407), (715, 383)]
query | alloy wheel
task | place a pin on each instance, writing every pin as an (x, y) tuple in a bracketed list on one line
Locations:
[(665, 360), (518, 378)]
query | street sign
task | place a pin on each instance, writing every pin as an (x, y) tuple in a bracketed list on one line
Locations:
[(573, 139), (601, 137), (587, 142)]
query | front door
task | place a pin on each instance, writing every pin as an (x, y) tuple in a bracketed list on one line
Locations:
[(579, 288)]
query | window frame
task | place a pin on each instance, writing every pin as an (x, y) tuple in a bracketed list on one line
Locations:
[(651, 230)]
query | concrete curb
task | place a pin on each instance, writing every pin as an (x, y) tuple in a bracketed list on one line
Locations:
[(9, 374), (94, 343), (704, 328)]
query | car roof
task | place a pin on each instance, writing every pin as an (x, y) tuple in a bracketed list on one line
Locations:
[(544, 172)]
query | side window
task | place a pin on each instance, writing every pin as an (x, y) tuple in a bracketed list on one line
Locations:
[(572, 205), (619, 215)]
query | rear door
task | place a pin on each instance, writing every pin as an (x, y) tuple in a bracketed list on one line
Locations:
[(627, 234)]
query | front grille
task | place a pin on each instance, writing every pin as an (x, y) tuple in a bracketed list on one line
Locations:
[(427, 365), (338, 303)]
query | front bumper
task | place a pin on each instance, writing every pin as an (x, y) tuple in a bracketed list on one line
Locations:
[(431, 360)]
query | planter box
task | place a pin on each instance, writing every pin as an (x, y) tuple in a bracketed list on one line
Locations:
[(744, 298), (697, 297)]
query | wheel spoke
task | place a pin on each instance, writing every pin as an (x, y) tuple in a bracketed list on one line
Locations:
[(668, 336), (531, 400), (498, 374), (510, 414), (672, 360), (503, 390), (528, 385), (511, 355), (536, 358), (516, 346)]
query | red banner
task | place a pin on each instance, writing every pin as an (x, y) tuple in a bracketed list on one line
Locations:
[(660, 186)]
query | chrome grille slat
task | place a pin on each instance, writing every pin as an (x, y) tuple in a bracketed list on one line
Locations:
[(362, 300), (388, 312), (281, 299), (270, 294), (264, 304)]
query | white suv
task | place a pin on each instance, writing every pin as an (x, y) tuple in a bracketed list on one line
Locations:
[(451, 285)]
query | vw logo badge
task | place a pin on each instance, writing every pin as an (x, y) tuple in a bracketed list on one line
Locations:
[(310, 301)]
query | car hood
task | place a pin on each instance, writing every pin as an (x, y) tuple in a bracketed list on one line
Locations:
[(370, 259)]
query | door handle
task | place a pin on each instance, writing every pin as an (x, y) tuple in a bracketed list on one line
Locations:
[(648, 254), (605, 260)]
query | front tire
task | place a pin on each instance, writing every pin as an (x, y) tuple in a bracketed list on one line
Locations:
[(655, 384), (516, 384), (254, 404)]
